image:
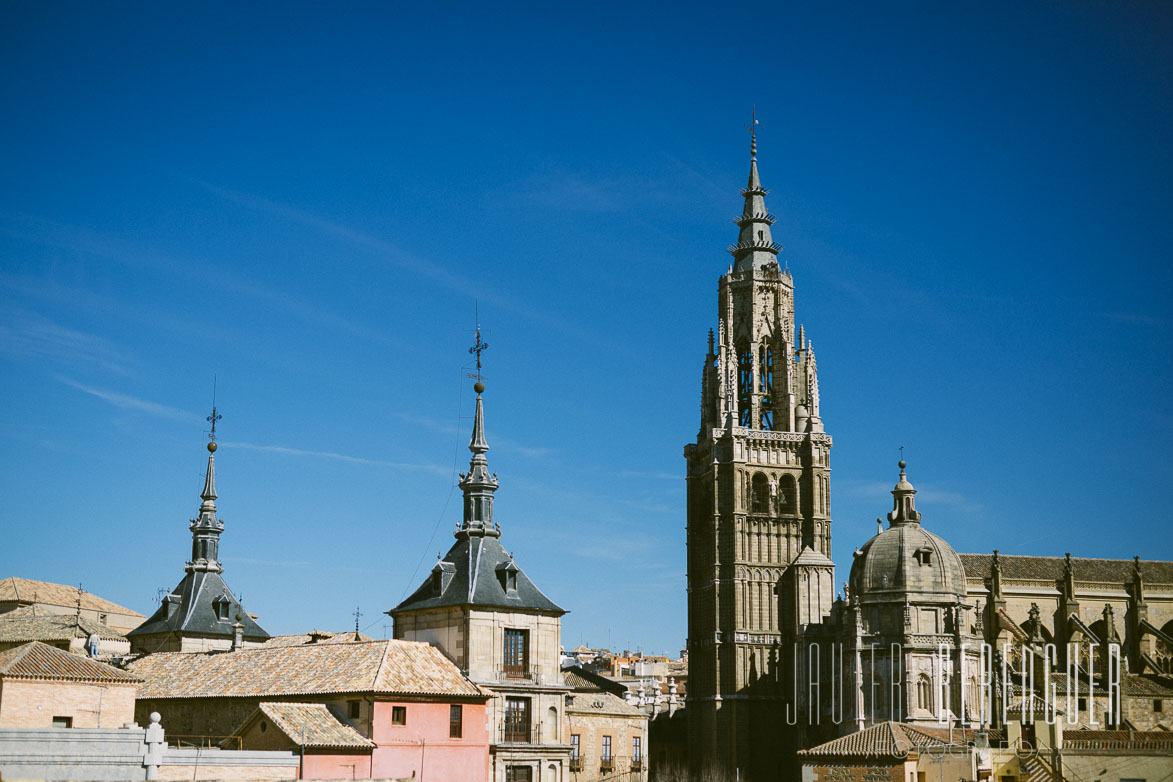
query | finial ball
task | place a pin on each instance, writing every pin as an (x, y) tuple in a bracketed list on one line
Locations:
[(239, 617), (212, 447), (479, 387), (902, 464)]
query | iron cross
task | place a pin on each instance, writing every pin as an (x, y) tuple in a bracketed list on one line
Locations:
[(478, 348), (214, 417)]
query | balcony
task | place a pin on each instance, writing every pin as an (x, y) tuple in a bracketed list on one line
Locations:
[(577, 764), (607, 764), (515, 674), (515, 733), (637, 764)]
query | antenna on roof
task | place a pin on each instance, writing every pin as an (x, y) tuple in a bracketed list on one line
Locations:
[(79, 594), (357, 614)]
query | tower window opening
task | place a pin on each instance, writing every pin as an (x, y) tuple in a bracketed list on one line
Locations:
[(766, 386), (744, 385), (760, 493)]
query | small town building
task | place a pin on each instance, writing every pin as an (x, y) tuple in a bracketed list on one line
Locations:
[(608, 736), (48, 598), (201, 613), (414, 709), (42, 686), (317, 637), (73, 633), (328, 748), (481, 609)]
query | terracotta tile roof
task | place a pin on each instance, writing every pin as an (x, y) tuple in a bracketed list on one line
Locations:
[(311, 724), (890, 739), (24, 625), (1109, 571), (1119, 739), (25, 590), (316, 637), (392, 667), (36, 660), (1148, 686)]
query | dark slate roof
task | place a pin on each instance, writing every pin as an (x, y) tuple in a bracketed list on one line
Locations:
[(1109, 571), (194, 614), (24, 625), (475, 581), (36, 660)]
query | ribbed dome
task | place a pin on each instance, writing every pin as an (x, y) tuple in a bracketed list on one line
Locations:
[(906, 559)]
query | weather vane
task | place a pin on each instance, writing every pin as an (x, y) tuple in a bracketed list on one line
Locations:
[(753, 131), (902, 453), (479, 347), (357, 614), (214, 417)]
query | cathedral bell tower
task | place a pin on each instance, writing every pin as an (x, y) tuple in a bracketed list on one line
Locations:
[(758, 499)]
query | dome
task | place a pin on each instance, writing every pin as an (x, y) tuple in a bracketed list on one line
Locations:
[(906, 559)]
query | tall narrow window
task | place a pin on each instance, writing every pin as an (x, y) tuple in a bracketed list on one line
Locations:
[(517, 720), (744, 385), (516, 656), (761, 494), (455, 721), (636, 749), (575, 743), (766, 386), (606, 750)]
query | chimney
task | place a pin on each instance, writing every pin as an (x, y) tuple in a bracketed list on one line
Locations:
[(238, 634)]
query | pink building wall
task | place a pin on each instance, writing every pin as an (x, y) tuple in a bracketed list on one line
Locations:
[(422, 744), (326, 766)]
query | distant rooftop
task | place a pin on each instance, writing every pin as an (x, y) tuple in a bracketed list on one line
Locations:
[(36, 660), (25, 590)]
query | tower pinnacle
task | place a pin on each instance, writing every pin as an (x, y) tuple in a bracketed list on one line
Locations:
[(755, 246), (478, 484), (206, 528)]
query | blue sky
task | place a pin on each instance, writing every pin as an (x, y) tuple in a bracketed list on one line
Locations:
[(306, 201)]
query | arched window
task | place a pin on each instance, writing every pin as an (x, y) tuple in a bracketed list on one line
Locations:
[(744, 384), (788, 502), (924, 694), (766, 386), (761, 494)]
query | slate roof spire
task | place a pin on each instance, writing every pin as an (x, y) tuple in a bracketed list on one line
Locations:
[(755, 246), (206, 528), (478, 484)]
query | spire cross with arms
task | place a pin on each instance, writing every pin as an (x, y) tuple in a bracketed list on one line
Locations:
[(214, 417), (478, 348), (357, 614)]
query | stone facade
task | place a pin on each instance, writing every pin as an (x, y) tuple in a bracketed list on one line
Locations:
[(37, 704), (609, 738), (758, 503)]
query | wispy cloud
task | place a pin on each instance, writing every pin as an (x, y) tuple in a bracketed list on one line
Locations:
[(410, 262), (926, 494), (662, 476), (128, 402), (340, 457), (268, 562), (27, 335), (504, 444), (1136, 318)]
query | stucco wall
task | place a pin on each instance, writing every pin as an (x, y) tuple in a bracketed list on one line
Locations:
[(34, 704), (422, 745)]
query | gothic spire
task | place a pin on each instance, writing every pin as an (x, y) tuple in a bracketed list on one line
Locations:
[(478, 484), (206, 528), (755, 246)]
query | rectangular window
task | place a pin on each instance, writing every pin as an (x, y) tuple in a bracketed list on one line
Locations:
[(1158, 705), (636, 753), (1081, 704), (574, 746), (352, 709), (516, 653), (63, 722), (606, 749), (517, 720), (398, 715), (455, 721), (519, 774)]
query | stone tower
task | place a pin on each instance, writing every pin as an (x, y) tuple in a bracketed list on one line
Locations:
[(201, 613), (481, 609), (759, 526)]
